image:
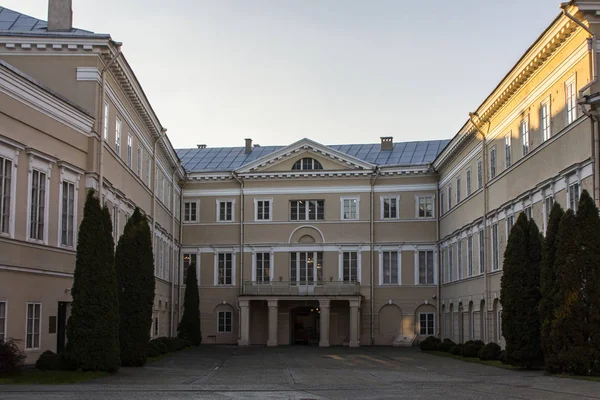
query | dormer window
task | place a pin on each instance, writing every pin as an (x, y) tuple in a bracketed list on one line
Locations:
[(307, 163)]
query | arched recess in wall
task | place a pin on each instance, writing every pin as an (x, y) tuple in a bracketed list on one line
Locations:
[(390, 323), (469, 332), (425, 309), (224, 328), (306, 234)]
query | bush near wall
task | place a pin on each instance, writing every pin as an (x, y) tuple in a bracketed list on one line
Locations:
[(430, 343), (164, 345), (11, 357)]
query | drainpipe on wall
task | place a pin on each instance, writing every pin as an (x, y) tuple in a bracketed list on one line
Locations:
[(484, 168), (180, 261), (173, 250), (162, 134), (372, 249), (241, 278), (439, 270)]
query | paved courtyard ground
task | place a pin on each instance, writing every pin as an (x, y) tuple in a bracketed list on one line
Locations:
[(222, 372)]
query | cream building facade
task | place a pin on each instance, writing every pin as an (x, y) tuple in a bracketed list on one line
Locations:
[(351, 245)]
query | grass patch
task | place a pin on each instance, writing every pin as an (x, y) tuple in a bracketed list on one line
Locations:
[(50, 377), (491, 363), (581, 378)]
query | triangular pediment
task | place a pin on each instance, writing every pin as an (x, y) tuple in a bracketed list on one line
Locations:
[(284, 159)]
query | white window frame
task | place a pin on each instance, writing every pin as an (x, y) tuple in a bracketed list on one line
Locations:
[(571, 113), (233, 268), (418, 265), (148, 171), (427, 332), (451, 263), (44, 165), (524, 136), (255, 265), (508, 150), (458, 193), (183, 274), (130, 151), (546, 119), (493, 162), (70, 176), (481, 248), (27, 304), (479, 173), (225, 321), (342, 206), (5, 325), (509, 221), (382, 207), (547, 209), (468, 182), (106, 116), (267, 200), (449, 196), (10, 151), (495, 248), (442, 203), (115, 220), (118, 131), (232, 201), (470, 256), (398, 266), (418, 203), (575, 201), (140, 159), (459, 263), (190, 220), (341, 264)]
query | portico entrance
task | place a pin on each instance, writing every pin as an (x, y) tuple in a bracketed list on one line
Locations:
[(305, 328)]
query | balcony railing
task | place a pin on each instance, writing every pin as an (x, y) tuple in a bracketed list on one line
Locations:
[(288, 288)]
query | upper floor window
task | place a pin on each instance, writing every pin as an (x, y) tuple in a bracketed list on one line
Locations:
[(225, 269), (450, 263), (189, 260), (449, 197), (105, 127), (38, 205), (190, 211), (225, 210), (548, 204), (425, 206), (350, 266), (571, 95), (442, 203), (307, 163), (129, 151), (5, 194), (573, 194), (495, 248), (527, 211), (479, 174), (493, 163), (118, 137), (302, 210), (507, 150), (510, 221), (139, 161), (545, 120), (349, 208), (68, 214), (426, 270), (389, 207), (148, 171), (470, 256), (468, 182), (390, 268), (458, 190), (263, 209), (262, 267), (459, 263), (481, 252), (524, 133)]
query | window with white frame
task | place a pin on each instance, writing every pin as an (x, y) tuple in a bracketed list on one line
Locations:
[(459, 263), (427, 324), (118, 127), (449, 197), (115, 215), (507, 150), (479, 174), (307, 164), (468, 182), (426, 268), (510, 221), (5, 194), (389, 207), (545, 120), (349, 208), (190, 211), (527, 211), (458, 190), (450, 263), (224, 321), (524, 133), (263, 209), (140, 153), (442, 203), (67, 224), (481, 252), (548, 204), (390, 268), (37, 212), (495, 248), (148, 171), (225, 210), (425, 207), (262, 267), (3, 318), (34, 318), (189, 260), (304, 269), (571, 97), (470, 256), (350, 266), (305, 210), (161, 185), (105, 127), (493, 163), (129, 151), (573, 194), (155, 326), (225, 269), (443, 265)]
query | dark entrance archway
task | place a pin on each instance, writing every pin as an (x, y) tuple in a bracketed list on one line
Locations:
[(305, 324)]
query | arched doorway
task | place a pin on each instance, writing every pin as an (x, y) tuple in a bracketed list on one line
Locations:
[(390, 323)]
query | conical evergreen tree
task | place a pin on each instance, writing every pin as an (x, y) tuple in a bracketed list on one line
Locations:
[(92, 330), (135, 273), (189, 327), (520, 294), (549, 284)]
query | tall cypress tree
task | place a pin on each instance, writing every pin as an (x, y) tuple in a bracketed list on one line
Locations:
[(92, 331), (520, 294), (135, 274), (189, 327), (549, 284)]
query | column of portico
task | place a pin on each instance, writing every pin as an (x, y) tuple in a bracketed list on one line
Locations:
[(324, 322), (244, 323), (354, 323), (273, 310)]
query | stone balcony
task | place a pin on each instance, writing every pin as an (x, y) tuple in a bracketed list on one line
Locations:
[(295, 288)]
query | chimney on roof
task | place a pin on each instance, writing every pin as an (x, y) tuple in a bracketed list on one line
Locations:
[(248, 146), (201, 146), (60, 15), (387, 143)]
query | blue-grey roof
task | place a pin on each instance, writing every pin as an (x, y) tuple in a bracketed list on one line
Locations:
[(222, 159), (13, 22)]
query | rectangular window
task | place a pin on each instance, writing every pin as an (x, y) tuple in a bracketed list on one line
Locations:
[(468, 182), (458, 190), (225, 269), (129, 151), (442, 203), (38, 205), (459, 264), (449, 197), (34, 317), (303, 210), (548, 204), (263, 210), (545, 120), (527, 211), (105, 127), (571, 101), (350, 208), (189, 260), (450, 263), (116, 222), (470, 256), (481, 252), (139, 161), (524, 133), (493, 163), (118, 137), (190, 211), (390, 268), (425, 207), (427, 324), (390, 207), (350, 266), (303, 267), (5, 192), (507, 150), (2, 320), (495, 245), (426, 276), (225, 210), (224, 322), (263, 267), (443, 265), (148, 171), (510, 221), (68, 212), (479, 174), (573, 200), (156, 327)]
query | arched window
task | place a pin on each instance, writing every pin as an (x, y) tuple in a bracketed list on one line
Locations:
[(307, 163)]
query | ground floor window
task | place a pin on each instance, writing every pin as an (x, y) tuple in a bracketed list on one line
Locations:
[(224, 321), (499, 325), (427, 324), (305, 266), (2, 320), (34, 314)]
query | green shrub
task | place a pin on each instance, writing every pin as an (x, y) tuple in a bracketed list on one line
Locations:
[(490, 351), (468, 342), (446, 345), (429, 343), (152, 350), (479, 342), (160, 344), (502, 357), (457, 350), (50, 361), (471, 351), (189, 326), (11, 357)]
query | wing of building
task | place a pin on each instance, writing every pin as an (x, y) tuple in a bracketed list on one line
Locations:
[(380, 243)]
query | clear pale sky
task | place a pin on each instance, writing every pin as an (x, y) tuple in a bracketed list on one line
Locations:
[(335, 71)]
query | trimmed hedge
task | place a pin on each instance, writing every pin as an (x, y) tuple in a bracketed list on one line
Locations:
[(51, 361), (430, 343), (446, 345), (11, 357), (471, 351), (490, 351), (457, 350)]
